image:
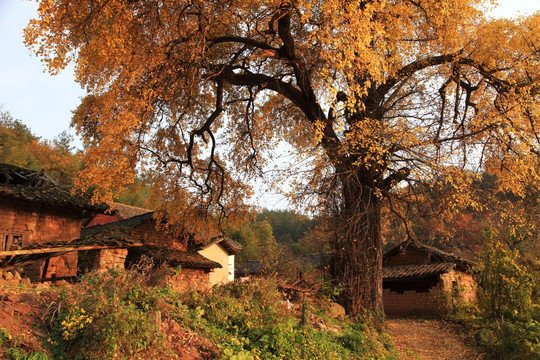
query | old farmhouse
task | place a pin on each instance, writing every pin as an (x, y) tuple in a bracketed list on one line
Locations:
[(41, 236), (416, 276), (38, 219)]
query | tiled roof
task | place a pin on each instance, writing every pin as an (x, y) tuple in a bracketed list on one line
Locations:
[(107, 238), (36, 186), (318, 260), (415, 270), (128, 211), (229, 244), (436, 255), (49, 196), (251, 268), (117, 226), (175, 258)]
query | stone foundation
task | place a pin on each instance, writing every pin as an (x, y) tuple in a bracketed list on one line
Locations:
[(107, 259)]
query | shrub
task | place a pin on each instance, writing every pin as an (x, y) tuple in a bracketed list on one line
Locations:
[(511, 340), (505, 285), (115, 310), (510, 319), (113, 316)]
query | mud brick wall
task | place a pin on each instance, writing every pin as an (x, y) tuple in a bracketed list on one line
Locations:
[(190, 280), (411, 256), (38, 223), (101, 219), (461, 285), (50, 269), (107, 259), (407, 302)]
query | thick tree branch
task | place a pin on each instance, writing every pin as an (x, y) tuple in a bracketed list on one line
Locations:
[(242, 40)]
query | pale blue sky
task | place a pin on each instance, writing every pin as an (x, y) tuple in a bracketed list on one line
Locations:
[(44, 102)]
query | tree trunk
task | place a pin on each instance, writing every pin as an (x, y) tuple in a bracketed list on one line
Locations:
[(357, 258)]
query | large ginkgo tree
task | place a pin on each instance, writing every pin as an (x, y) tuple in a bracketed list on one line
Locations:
[(369, 94)]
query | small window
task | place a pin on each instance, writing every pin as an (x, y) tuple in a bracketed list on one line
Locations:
[(455, 290), (12, 241)]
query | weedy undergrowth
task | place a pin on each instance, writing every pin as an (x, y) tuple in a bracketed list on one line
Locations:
[(113, 315)]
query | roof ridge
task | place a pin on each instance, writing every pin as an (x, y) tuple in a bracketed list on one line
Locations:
[(114, 203)]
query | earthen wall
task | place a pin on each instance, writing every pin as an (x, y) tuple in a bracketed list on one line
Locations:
[(38, 223), (190, 280), (460, 286)]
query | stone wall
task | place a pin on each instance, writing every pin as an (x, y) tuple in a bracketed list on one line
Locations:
[(107, 259), (190, 280)]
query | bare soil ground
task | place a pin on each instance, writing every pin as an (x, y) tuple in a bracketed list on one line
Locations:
[(426, 339)]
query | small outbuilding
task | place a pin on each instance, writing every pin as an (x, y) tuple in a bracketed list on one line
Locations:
[(416, 278)]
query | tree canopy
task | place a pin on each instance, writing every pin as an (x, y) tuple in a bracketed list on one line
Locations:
[(369, 93), (22, 148)]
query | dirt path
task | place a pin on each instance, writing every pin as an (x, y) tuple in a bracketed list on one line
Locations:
[(420, 339)]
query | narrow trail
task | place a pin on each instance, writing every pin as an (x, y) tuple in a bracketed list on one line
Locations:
[(422, 339)]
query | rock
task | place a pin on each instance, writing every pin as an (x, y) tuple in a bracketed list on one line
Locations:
[(12, 297), (336, 311), (8, 276), (16, 275), (42, 286)]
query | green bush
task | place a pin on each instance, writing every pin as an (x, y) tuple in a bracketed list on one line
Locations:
[(511, 340), (510, 320), (506, 286), (106, 316)]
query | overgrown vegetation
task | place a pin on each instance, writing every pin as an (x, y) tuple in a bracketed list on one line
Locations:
[(13, 351), (106, 317), (118, 314), (507, 304), (507, 314)]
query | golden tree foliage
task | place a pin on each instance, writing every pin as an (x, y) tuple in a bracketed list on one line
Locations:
[(373, 93)]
